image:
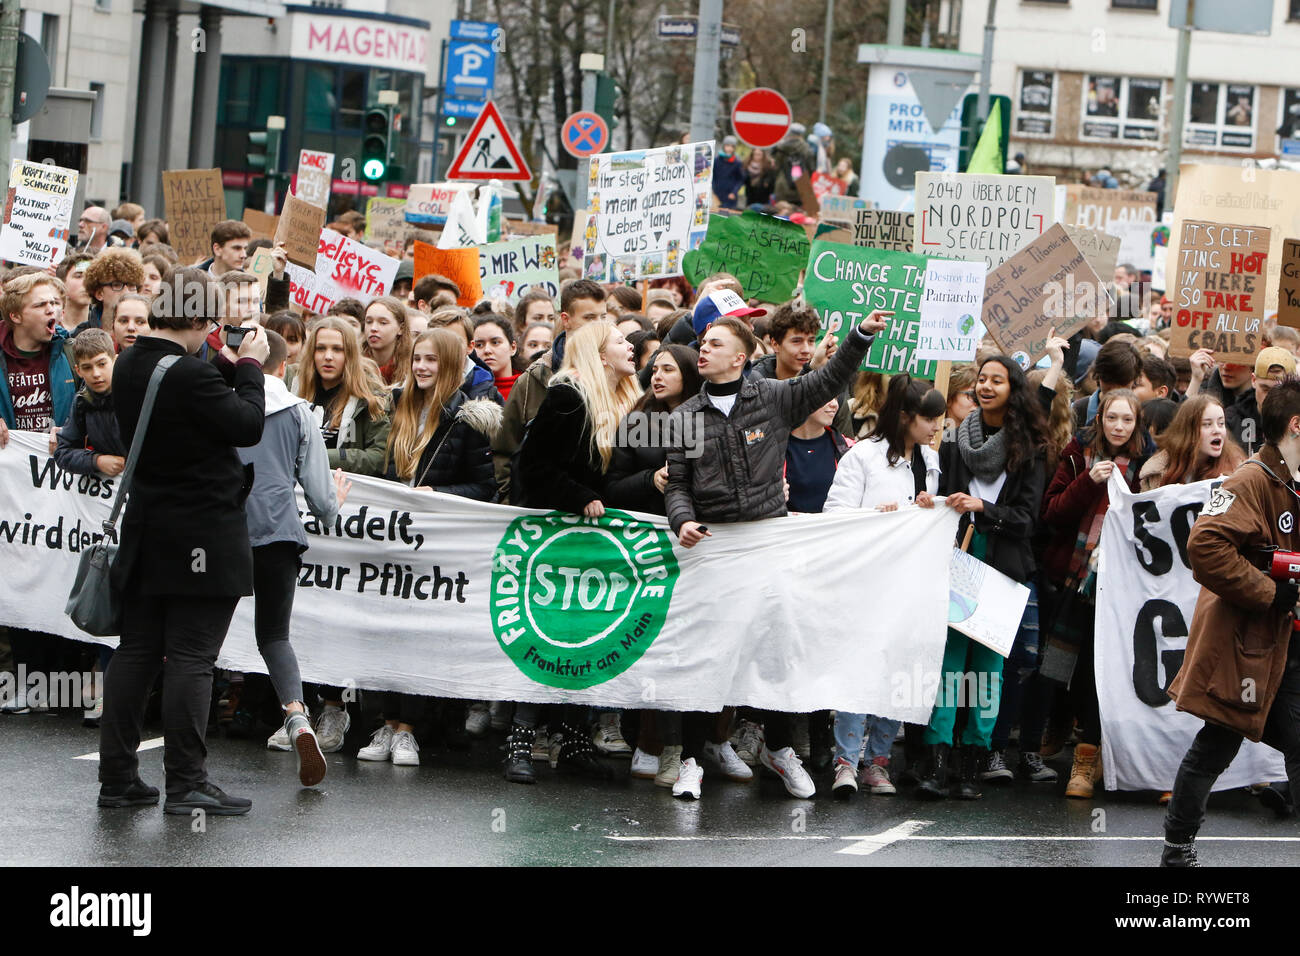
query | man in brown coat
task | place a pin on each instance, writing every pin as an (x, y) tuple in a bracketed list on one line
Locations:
[(1241, 672)]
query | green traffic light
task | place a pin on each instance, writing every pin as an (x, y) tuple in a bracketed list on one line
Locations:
[(451, 121), (373, 169)]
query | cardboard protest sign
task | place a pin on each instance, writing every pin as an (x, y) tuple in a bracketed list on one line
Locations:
[(523, 227), (315, 174), (1269, 198), (884, 229), (827, 232), (1101, 249), (461, 266), (1092, 208), (988, 217), (649, 208), (1219, 287), (951, 302), (353, 269), (38, 213), (463, 226), (765, 253), (807, 197), (1288, 296), (1048, 284), (263, 224), (299, 229), (845, 284), (429, 203), (515, 266), (386, 223), (195, 202), (842, 209)]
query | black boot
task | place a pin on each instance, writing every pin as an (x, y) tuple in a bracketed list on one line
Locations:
[(821, 745), (1179, 854), (934, 773), (1277, 797), (578, 755), (519, 754), (969, 761), (913, 755)]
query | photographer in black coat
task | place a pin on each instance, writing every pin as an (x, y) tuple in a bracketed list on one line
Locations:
[(184, 559)]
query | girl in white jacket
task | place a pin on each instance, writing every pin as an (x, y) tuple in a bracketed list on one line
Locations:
[(893, 467)]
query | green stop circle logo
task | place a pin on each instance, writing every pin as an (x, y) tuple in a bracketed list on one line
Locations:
[(577, 601)]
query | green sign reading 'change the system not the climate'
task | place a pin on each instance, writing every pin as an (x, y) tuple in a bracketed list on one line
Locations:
[(845, 284), (575, 603), (765, 253)]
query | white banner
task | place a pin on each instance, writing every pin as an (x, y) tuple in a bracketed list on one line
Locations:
[(1145, 600), (431, 594)]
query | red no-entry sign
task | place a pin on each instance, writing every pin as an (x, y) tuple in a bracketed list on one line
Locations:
[(761, 118)]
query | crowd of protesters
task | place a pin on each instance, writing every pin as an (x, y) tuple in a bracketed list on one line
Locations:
[(413, 388)]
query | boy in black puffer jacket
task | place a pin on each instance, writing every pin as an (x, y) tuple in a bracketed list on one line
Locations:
[(89, 441)]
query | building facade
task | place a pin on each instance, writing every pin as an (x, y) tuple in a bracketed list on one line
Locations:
[(1091, 82)]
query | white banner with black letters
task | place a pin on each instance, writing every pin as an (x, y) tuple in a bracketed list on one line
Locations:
[(1145, 598), (430, 594)]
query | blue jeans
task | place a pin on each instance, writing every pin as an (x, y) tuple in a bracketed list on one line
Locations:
[(850, 729)]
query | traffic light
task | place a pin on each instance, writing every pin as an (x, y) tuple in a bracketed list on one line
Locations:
[(376, 133), (264, 153), (604, 104)]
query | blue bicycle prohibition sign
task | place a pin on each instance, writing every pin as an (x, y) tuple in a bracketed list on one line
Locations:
[(584, 134)]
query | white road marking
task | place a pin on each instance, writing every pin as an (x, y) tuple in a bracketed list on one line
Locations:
[(708, 839), (866, 845), (153, 743)]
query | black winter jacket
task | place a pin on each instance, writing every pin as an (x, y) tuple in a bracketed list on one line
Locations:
[(738, 476), (630, 481), (557, 464), (1007, 523), (458, 458), (184, 531), (91, 430)]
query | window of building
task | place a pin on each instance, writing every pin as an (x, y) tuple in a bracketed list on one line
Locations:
[(1036, 105), (1134, 4), (104, 6), (1120, 108), (1289, 119), (50, 41), (1293, 10), (1220, 115), (97, 111)]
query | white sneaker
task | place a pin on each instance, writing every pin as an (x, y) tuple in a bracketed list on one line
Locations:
[(499, 714), (279, 740), (748, 741), (785, 764), (644, 766), (846, 780), (405, 752), (478, 719), (689, 779), (723, 756), (670, 766), (380, 746), (331, 727), (876, 778), (607, 736)]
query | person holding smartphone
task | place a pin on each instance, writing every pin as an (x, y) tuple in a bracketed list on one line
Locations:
[(185, 559)]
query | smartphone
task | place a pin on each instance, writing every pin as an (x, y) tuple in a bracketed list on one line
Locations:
[(235, 336), (703, 529)]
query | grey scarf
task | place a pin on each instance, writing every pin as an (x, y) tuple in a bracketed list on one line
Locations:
[(985, 457)]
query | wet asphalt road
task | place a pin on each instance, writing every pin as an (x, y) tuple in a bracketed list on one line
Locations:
[(456, 809)]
